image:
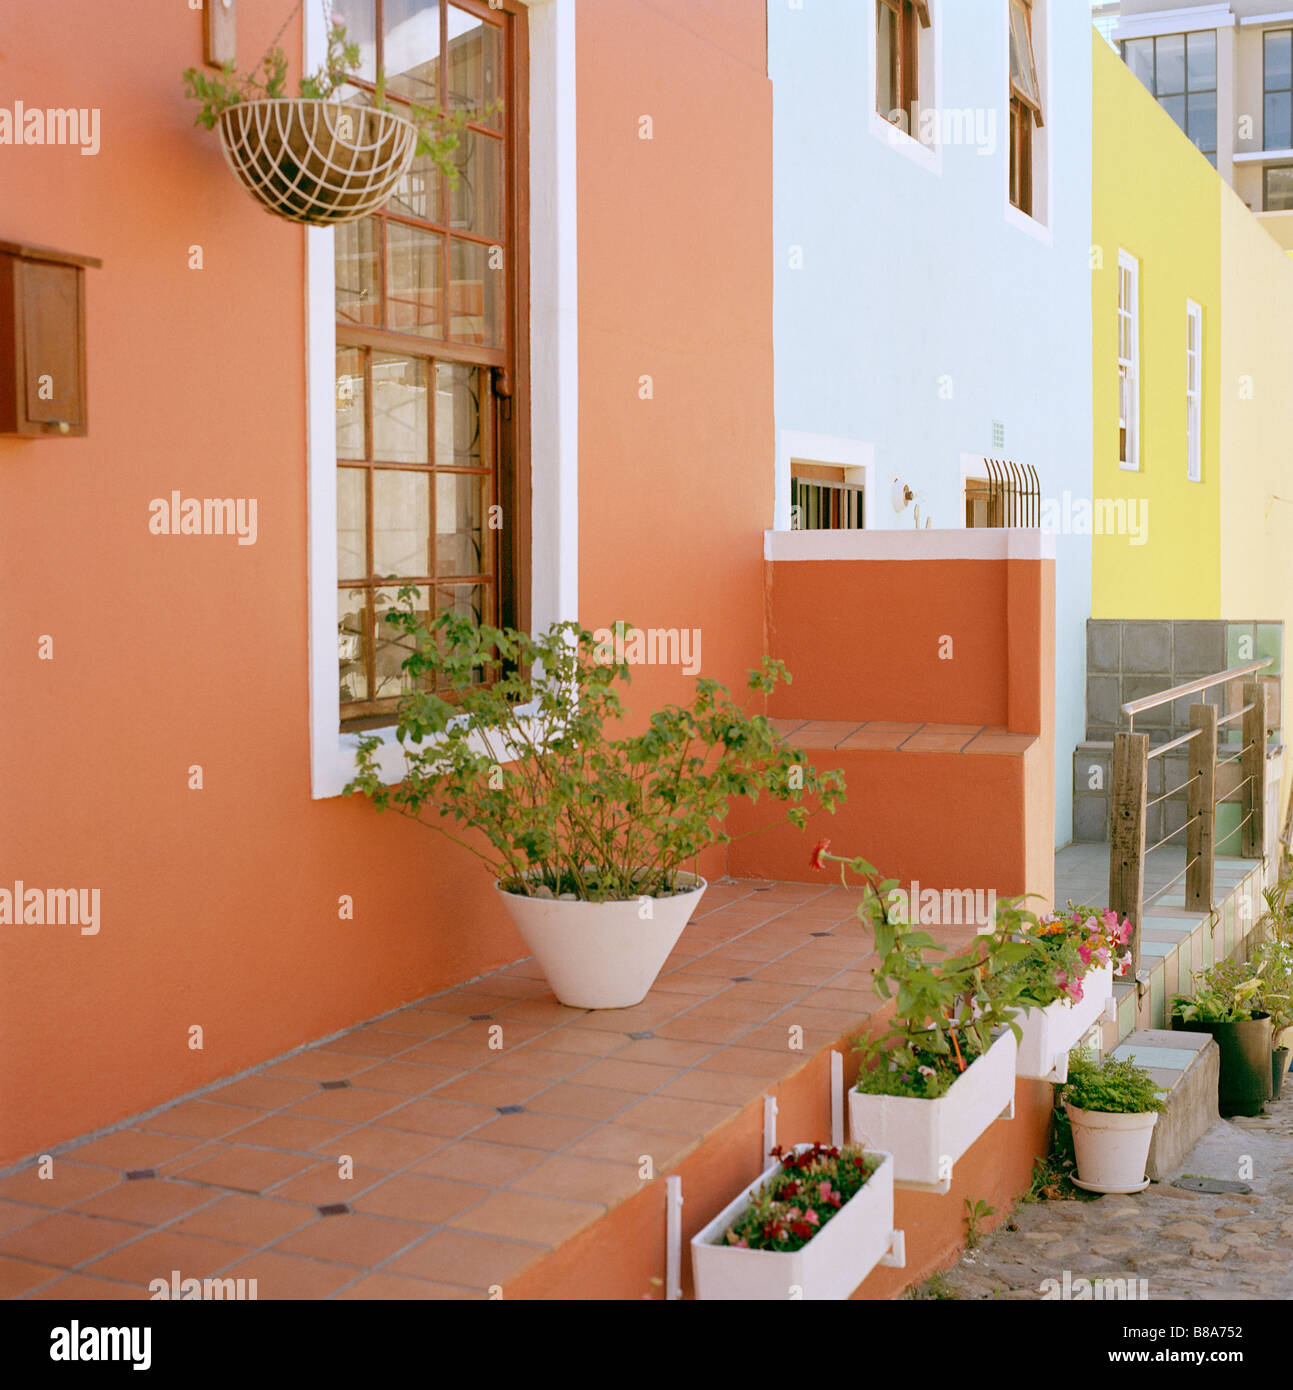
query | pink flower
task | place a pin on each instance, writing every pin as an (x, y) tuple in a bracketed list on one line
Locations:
[(812, 1218), (1086, 953), (1075, 990), (824, 1191)]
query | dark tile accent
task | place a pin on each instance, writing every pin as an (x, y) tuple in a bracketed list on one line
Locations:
[(477, 1018), (334, 1085), (641, 1037), (334, 1209), (134, 1174), (821, 933), (742, 979), (511, 1110), (766, 888)]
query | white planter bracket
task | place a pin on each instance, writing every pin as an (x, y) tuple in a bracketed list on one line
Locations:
[(1009, 1112), (937, 1189), (673, 1237), (896, 1256), (1111, 1010), (837, 1100), (1059, 1072), (769, 1125)]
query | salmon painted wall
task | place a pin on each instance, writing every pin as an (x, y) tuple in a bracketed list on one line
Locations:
[(219, 907)]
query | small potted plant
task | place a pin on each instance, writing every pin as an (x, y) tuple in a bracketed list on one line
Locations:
[(1228, 1004), (586, 829), (1274, 961), (311, 158), (1113, 1107), (813, 1226), (1067, 984), (943, 1068)]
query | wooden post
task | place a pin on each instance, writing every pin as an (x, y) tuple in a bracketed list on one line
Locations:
[(1127, 834), (1200, 828), (1253, 767)]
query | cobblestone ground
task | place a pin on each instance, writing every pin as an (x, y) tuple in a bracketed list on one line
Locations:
[(1185, 1245)]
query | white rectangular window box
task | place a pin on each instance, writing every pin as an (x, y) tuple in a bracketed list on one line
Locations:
[(830, 1267), (926, 1137), (1049, 1033)]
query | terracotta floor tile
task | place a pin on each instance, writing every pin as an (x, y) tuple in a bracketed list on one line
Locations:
[(768, 991), (491, 1087), (544, 1011), (750, 1061), (246, 1220), (324, 1185), (530, 1131), (524, 1216), (66, 1239), (352, 1239), (68, 1182), (778, 1039), (836, 1021), (585, 1102), (351, 1104), (18, 1276), (484, 1034), (290, 1276), (417, 1023), (457, 1257), (619, 1143), (146, 1201), (364, 1042), (1011, 744), (798, 973), (453, 1055), (261, 1092), (723, 1088), (387, 1149), (82, 1288), (666, 1052), (876, 740), (787, 726), (589, 1042), (711, 1030), (734, 1008), (314, 1065), (623, 1075), (391, 1288), (469, 1161), (445, 1119), (133, 1148), (248, 1170), (414, 1197), (581, 1180), (301, 1133), (832, 998), (405, 1078), (174, 1167), (537, 1062), (472, 1000), (16, 1214), (677, 1116), (201, 1119), (824, 733), (156, 1255), (692, 984)]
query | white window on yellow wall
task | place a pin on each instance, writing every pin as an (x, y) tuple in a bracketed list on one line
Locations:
[(1128, 362), (1194, 390)]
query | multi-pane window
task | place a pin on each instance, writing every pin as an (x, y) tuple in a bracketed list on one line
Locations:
[(1277, 89), (1194, 391), (1181, 71), (1278, 189), (425, 350), (1025, 104), (897, 46), (1128, 361), (822, 500)]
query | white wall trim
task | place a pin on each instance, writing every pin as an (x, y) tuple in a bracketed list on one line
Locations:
[(987, 543), (831, 451), (1283, 17), (554, 362), (1174, 22)]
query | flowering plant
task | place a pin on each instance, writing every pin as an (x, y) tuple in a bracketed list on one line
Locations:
[(789, 1209), (1066, 947)]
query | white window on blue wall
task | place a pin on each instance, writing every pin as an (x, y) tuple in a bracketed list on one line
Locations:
[(1194, 391), (1028, 165), (903, 78), (1128, 362)]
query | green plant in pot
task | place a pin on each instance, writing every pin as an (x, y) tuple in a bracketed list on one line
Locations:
[(588, 830), (1274, 962), (1229, 1004), (1112, 1107)]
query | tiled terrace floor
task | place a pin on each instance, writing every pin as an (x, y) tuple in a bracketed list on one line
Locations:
[(890, 735), (470, 1162)]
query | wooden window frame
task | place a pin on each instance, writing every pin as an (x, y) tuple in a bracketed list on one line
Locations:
[(910, 16), (1129, 443), (1025, 115), (504, 370), (1194, 394), (1268, 90)]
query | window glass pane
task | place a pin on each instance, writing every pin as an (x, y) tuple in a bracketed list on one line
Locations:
[(466, 600), (1279, 60), (457, 416), (1203, 120), (1175, 107), (1022, 72), (1201, 60), (414, 279), (460, 533), (413, 49), (400, 427), (401, 523), (1277, 130), (886, 48), (350, 403), (1139, 55), (392, 646), (1279, 188), (475, 65), (475, 295), (352, 626), (360, 20), (476, 200), (1171, 65), (357, 294), (352, 529), (418, 193)]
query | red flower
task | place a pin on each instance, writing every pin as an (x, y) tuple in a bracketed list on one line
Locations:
[(802, 1229), (791, 1189), (815, 860)]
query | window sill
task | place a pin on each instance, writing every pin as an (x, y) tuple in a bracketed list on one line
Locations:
[(906, 145), (1129, 467), (1022, 222)]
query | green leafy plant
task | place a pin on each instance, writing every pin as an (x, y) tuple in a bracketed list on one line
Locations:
[(533, 760), (811, 1188), (935, 1288), (1273, 965), (977, 1211), (1228, 992), (1114, 1086)]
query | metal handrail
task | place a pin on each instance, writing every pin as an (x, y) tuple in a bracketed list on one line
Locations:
[(1134, 707)]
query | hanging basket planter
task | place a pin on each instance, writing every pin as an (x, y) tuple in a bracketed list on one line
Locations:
[(317, 162)]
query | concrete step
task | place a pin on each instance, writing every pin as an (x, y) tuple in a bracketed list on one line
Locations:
[(1188, 1065)]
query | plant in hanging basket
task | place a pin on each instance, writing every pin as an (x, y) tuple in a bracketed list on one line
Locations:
[(314, 158)]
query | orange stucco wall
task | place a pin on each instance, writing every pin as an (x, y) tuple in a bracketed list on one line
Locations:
[(220, 907)]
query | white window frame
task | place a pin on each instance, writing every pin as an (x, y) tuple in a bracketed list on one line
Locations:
[(1038, 224), (1130, 366), (1194, 394), (930, 58), (854, 456)]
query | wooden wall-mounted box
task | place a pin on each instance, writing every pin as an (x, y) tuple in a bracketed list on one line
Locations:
[(42, 341)]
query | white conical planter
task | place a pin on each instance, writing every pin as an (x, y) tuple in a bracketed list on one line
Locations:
[(602, 955), (1112, 1150)]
